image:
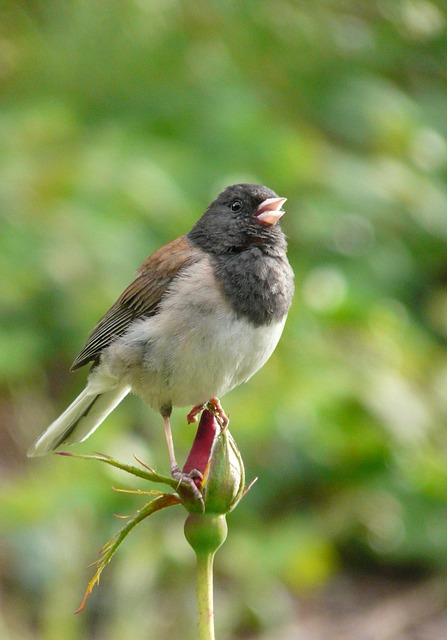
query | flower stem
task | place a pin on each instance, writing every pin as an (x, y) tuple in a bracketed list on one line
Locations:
[(205, 533), (205, 604)]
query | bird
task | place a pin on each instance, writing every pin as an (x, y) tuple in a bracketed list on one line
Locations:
[(203, 315)]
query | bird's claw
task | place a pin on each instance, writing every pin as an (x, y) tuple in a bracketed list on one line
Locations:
[(194, 413), (215, 406), (218, 410), (188, 479)]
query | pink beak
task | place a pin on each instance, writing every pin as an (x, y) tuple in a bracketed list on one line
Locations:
[(270, 211)]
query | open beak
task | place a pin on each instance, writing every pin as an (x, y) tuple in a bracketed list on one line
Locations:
[(270, 211)]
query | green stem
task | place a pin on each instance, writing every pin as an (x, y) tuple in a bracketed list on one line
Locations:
[(205, 604), (205, 533)]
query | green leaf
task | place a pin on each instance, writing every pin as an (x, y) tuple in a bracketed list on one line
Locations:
[(149, 474), (110, 548)]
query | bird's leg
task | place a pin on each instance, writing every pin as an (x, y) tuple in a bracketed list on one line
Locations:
[(193, 414), (216, 408), (176, 472), (170, 442), (219, 412)]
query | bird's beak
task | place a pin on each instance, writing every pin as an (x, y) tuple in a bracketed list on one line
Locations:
[(270, 211)]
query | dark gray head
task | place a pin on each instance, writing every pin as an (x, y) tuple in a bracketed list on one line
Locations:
[(241, 216), (248, 249)]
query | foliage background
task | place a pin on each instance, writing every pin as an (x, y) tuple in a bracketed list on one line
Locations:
[(119, 122)]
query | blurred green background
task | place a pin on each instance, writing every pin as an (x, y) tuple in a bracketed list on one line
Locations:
[(119, 121)]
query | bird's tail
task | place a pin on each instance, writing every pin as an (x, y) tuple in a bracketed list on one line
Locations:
[(81, 418)]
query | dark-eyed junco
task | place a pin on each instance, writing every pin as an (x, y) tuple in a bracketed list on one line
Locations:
[(203, 315)]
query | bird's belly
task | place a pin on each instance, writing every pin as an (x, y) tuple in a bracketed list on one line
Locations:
[(185, 358)]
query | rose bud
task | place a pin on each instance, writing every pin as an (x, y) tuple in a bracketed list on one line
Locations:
[(221, 475)]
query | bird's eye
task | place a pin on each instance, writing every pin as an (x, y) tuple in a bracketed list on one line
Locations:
[(236, 206)]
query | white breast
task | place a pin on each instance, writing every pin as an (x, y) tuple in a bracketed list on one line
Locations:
[(193, 348)]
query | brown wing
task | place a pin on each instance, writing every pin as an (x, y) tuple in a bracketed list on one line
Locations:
[(142, 296)]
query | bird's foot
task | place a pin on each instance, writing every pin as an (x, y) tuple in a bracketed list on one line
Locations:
[(194, 413), (218, 410), (188, 479), (215, 406)]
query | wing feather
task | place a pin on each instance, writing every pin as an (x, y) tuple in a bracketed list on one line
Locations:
[(141, 298)]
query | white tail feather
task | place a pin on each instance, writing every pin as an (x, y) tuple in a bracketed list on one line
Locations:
[(79, 420)]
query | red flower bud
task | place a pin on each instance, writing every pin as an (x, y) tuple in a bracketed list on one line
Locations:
[(200, 454), (215, 455)]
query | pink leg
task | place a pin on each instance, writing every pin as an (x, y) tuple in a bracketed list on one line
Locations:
[(215, 406), (193, 414), (176, 472), (170, 443), (219, 412)]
